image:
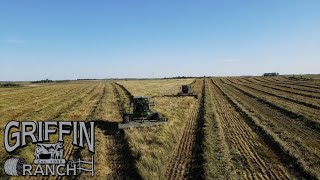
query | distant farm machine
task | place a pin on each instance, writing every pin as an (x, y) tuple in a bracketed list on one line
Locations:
[(140, 114), (185, 90)]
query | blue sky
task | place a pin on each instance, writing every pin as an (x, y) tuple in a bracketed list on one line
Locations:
[(103, 39)]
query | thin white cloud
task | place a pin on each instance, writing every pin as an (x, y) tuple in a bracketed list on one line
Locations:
[(230, 60), (12, 41)]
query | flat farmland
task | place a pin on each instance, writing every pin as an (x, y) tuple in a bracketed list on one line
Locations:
[(236, 128)]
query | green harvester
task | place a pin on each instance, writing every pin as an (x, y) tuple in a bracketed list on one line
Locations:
[(185, 90), (140, 114)]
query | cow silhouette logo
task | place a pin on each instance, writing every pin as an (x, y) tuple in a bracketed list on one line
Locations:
[(49, 153)]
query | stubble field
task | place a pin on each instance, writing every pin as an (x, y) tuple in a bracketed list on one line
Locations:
[(238, 128)]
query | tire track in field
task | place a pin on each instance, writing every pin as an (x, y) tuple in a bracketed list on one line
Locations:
[(70, 99), (196, 169), (302, 87), (106, 132), (308, 84), (299, 88), (121, 102), (218, 157), (69, 147), (93, 111), (282, 96), (277, 78), (11, 89), (73, 104), (33, 93), (51, 118), (302, 94), (126, 91), (301, 171), (302, 139), (249, 152), (303, 80), (292, 113), (177, 168), (24, 90), (53, 94), (91, 117), (29, 113), (312, 106), (290, 88), (122, 161), (291, 94), (71, 151), (304, 84), (245, 80), (293, 109), (260, 80)]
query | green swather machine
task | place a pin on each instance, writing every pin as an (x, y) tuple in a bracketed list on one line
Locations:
[(186, 91), (141, 114)]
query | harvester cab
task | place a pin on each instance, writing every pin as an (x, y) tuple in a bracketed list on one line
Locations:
[(141, 114), (141, 108), (185, 90)]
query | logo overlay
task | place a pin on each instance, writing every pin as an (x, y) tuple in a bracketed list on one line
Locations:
[(50, 158)]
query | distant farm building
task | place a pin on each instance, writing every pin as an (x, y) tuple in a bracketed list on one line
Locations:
[(271, 74)]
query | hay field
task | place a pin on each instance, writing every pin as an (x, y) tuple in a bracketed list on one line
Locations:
[(238, 128)]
